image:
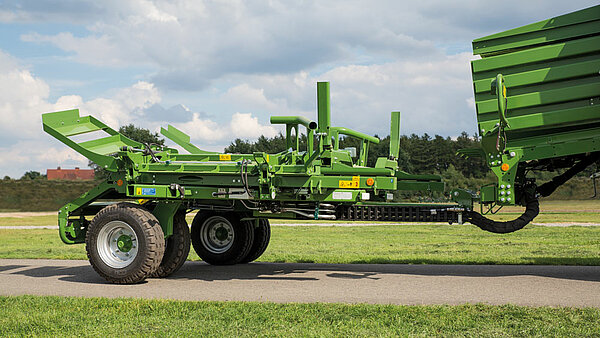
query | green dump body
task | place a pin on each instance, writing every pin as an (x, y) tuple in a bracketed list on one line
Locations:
[(537, 96)]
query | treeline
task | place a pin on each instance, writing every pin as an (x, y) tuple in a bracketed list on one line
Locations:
[(418, 154)]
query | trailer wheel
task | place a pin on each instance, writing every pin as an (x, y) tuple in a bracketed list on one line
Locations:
[(262, 236), (177, 247), (221, 238), (124, 243)]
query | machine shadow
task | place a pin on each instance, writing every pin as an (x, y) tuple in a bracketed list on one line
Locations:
[(194, 270)]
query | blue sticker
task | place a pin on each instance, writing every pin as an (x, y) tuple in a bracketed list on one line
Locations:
[(149, 191)]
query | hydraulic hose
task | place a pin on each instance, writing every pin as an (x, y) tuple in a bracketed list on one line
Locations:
[(532, 209), (532, 206)]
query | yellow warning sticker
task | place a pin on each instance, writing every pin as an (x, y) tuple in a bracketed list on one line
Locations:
[(225, 157), (354, 184), (138, 191)]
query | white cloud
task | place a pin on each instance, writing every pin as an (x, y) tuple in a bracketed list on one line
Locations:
[(24, 97), (246, 126), (430, 95), (191, 43), (242, 125)]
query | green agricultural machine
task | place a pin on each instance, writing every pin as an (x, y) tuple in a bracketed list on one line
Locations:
[(535, 89)]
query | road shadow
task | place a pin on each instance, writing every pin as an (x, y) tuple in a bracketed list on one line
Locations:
[(77, 274), (194, 270)]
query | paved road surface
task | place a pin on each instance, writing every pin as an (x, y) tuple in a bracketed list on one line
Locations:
[(286, 282)]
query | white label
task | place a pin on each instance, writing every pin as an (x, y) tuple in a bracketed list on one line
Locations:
[(366, 196), (390, 196), (342, 195)]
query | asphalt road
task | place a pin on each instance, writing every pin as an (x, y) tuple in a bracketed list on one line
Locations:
[(576, 286)]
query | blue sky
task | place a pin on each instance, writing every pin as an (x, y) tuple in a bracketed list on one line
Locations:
[(219, 69)]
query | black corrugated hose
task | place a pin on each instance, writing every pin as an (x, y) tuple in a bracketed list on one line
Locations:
[(532, 209), (532, 206)]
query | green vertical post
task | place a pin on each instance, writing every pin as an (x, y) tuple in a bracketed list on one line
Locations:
[(395, 135), (324, 113)]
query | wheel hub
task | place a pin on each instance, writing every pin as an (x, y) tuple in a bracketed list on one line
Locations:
[(217, 234), (117, 244), (124, 243)]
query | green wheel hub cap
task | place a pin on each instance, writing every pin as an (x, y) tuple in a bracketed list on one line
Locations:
[(124, 243)]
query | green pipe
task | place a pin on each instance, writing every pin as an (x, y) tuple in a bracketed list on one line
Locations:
[(324, 113), (354, 133), (294, 120), (395, 135)]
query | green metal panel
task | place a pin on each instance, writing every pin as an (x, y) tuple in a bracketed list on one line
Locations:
[(537, 95), (565, 27), (550, 70), (182, 139)]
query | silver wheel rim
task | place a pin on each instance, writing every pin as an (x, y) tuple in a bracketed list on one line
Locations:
[(217, 234), (110, 237)]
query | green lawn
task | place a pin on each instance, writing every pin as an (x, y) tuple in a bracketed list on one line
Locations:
[(418, 244), (29, 220), (66, 316)]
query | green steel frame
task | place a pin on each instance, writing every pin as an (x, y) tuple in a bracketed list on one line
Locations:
[(256, 185)]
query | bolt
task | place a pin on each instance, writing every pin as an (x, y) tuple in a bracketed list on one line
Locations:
[(133, 247), (114, 240), (513, 154), (502, 186), (502, 199), (508, 192), (498, 155), (456, 193), (502, 192), (508, 186), (491, 156), (508, 199), (127, 254)]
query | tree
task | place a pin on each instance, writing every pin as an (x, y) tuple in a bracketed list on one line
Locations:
[(141, 135), (32, 175), (138, 134)]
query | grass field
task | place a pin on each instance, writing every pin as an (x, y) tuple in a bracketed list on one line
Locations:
[(417, 244), (50, 316), (385, 243)]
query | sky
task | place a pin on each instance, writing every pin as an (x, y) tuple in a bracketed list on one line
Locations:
[(218, 69)]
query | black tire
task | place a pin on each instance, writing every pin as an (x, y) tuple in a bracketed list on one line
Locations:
[(262, 236), (177, 247), (118, 259), (221, 238)]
